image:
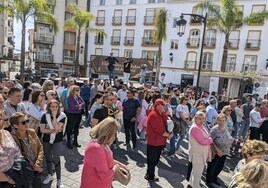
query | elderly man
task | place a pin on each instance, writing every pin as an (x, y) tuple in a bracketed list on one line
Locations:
[(156, 139)]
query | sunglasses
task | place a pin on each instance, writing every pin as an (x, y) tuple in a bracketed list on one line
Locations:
[(25, 122), (42, 95)]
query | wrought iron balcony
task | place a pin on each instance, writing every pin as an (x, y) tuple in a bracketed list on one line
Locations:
[(249, 67), (47, 39), (148, 41), (207, 65), (190, 64), (193, 42), (230, 67), (130, 20), (117, 20), (100, 21), (149, 20), (48, 58), (68, 59), (210, 42), (253, 44), (115, 40), (129, 41), (233, 43)]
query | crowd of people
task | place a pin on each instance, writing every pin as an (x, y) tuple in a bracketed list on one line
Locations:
[(35, 120)]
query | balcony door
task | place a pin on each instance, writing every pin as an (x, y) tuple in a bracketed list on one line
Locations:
[(211, 37), (194, 37)]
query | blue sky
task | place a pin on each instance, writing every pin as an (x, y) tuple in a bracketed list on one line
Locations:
[(17, 34)]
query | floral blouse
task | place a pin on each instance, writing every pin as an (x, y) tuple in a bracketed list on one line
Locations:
[(9, 151)]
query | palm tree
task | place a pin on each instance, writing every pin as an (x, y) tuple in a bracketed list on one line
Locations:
[(79, 21), (23, 10), (160, 36), (226, 18)]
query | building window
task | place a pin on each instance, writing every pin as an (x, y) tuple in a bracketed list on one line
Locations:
[(250, 63), (258, 8), (234, 39), (253, 40), (70, 1), (190, 62), (117, 18), (115, 39), (131, 17), (210, 40), (115, 52), (102, 2), (150, 16), (69, 38), (148, 54), (132, 2), (194, 38), (128, 53), (231, 62), (98, 51), (100, 19), (99, 38), (129, 37), (207, 61), (151, 1), (174, 44), (68, 55), (161, 1), (175, 22), (118, 2), (68, 15)]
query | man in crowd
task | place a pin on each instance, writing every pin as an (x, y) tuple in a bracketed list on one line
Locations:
[(94, 89), (117, 85), (126, 70), (224, 102), (85, 94), (131, 110), (111, 66), (122, 93), (233, 105), (64, 95), (211, 112), (245, 122)]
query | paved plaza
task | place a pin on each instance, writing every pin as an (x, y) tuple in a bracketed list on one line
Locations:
[(171, 170)]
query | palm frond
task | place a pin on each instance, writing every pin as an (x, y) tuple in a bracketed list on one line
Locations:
[(161, 25), (256, 18)]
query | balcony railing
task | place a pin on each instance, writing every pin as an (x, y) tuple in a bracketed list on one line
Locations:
[(130, 20), (148, 41), (44, 58), (249, 67), (253, 44), (230, 67), (100, 21), (234, 43), (129, 41), (190, 64), (98, 40), (210, 42), (207, 65), (115, 40), (117, 20), (69, 59), (149, 20), (48, 39), (193, 42)]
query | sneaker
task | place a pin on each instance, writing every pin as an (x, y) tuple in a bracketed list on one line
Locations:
[(151, 184), (59, 184), (48, 179)]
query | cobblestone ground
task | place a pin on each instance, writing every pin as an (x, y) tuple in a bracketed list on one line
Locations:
[(171, 171)]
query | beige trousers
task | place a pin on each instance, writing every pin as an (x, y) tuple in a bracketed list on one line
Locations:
[(196, 174)]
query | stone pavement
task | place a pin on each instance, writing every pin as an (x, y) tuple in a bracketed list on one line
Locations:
[(171, 171)]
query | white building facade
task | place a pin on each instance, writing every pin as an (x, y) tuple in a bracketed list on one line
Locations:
[(130, 30)]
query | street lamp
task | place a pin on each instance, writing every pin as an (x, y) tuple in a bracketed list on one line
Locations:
[(181, 25), (171, 57)]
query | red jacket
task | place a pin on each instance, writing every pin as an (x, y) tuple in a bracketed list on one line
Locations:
[(156, 127)]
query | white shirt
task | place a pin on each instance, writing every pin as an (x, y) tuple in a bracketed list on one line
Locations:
[(182, 108), (122, 95)]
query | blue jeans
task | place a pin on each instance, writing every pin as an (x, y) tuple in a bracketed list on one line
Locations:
[(111, 75), (244, 128), (175, 143), (236, 129)]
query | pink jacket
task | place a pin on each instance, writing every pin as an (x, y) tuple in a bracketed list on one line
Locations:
[(98, 166)]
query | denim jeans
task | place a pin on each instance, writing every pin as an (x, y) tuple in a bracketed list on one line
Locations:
[(236, 129), (111, 75), (175, 143), (244, 128)]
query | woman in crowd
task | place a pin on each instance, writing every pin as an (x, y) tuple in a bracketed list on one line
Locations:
[(148, 96), (255, 121), (222, 141), (142, 117), (252, 149), (229, 122), (95, 104), (36, 109), (52, 126), (199, 148), (99, 165), (264, 126), (198, 103), (183, 115), (75, 110), (253, 175), (49, 85), (9, 151), (3, 116), (29, 144), (26, 95), (239, 114)]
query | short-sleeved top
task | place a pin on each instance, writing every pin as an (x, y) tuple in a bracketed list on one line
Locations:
[(182, 108), (46, 137), (130, 108), (103, 112), (65, 95)]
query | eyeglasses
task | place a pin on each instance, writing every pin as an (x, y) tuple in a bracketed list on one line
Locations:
[(25, 122)]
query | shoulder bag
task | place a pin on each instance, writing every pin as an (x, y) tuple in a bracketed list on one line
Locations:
[(122, 175)]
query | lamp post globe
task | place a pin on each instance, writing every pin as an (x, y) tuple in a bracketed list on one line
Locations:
[(181, 25)]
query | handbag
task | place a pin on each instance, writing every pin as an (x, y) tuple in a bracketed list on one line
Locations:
[(122, 175)]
